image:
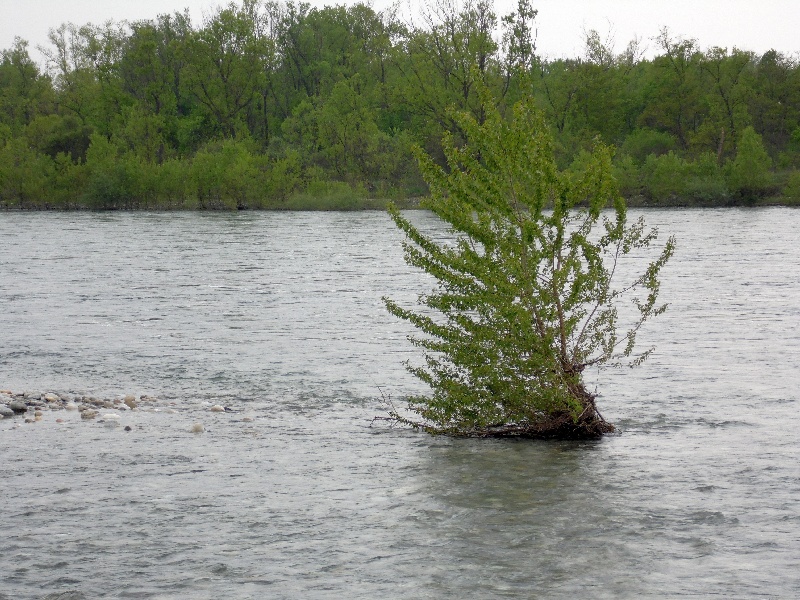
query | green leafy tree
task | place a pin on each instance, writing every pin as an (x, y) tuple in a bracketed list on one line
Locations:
[(24, 93), (445, 61), (602, 100), (728, 75), (112, 179), (53, 134), (791, 191), (560, 82), (72, 71), (25, 176), (749, 173), (224, 65), (672, 90), (525, 298), (774, 103)]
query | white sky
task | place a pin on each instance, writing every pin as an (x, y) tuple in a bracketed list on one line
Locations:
[(746, 24)]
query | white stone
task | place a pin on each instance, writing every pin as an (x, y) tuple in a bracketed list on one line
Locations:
[(217, 408)]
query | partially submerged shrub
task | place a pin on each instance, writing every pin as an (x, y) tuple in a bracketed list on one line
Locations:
[(526, 297)]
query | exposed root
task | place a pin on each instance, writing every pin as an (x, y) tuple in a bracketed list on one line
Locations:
[(562, 425), (559, 428)]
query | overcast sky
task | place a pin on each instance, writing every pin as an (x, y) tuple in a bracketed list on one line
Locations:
[(746, 24)]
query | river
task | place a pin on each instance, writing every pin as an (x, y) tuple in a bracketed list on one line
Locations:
[(295, 494)]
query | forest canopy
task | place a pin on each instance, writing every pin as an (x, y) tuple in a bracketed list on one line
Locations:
[(270, 104)]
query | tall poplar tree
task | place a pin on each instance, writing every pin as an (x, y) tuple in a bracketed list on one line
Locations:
[(526, 296)]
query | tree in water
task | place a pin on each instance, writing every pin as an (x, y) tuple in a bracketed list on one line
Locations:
[(526, 296)]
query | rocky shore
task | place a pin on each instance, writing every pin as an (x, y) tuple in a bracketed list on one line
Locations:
[(30, 407)]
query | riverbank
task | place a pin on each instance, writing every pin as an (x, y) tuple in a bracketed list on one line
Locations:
[(640, 201), (355, 204), (301, 202)]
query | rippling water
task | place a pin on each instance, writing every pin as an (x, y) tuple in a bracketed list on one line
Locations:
[(279, 316)]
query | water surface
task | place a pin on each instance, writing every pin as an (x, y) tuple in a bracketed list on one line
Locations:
[(279, 316)]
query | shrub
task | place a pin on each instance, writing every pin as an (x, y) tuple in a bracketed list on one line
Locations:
[(749, 173), (792, 190), (525, 297), (642, 143)]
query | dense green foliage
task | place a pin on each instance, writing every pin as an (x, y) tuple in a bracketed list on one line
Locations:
[(271, 104), (526, 295)]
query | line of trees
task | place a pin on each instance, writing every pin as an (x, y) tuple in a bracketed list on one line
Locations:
[(269, 104)]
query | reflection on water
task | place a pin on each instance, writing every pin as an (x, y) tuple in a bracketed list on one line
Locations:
[(279, 317)]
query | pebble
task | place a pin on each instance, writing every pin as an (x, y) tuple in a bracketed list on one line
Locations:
[(5, 411), (197, 428), (130, 401), (217, 408), (88, 414), (18, 407)]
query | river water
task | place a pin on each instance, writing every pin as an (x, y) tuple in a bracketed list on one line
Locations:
[(279, 317)]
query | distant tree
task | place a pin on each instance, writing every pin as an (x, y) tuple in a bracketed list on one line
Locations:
[(672, 89), (24, 176), (24, 92), (749, 173), (727, 74), (519, 44), (792, 189), (774, 103), (447, 58), (151, 66), (560, 82), (224, 63), (525, 299)]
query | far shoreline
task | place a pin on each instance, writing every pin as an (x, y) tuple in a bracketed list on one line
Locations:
[(382, 204)]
